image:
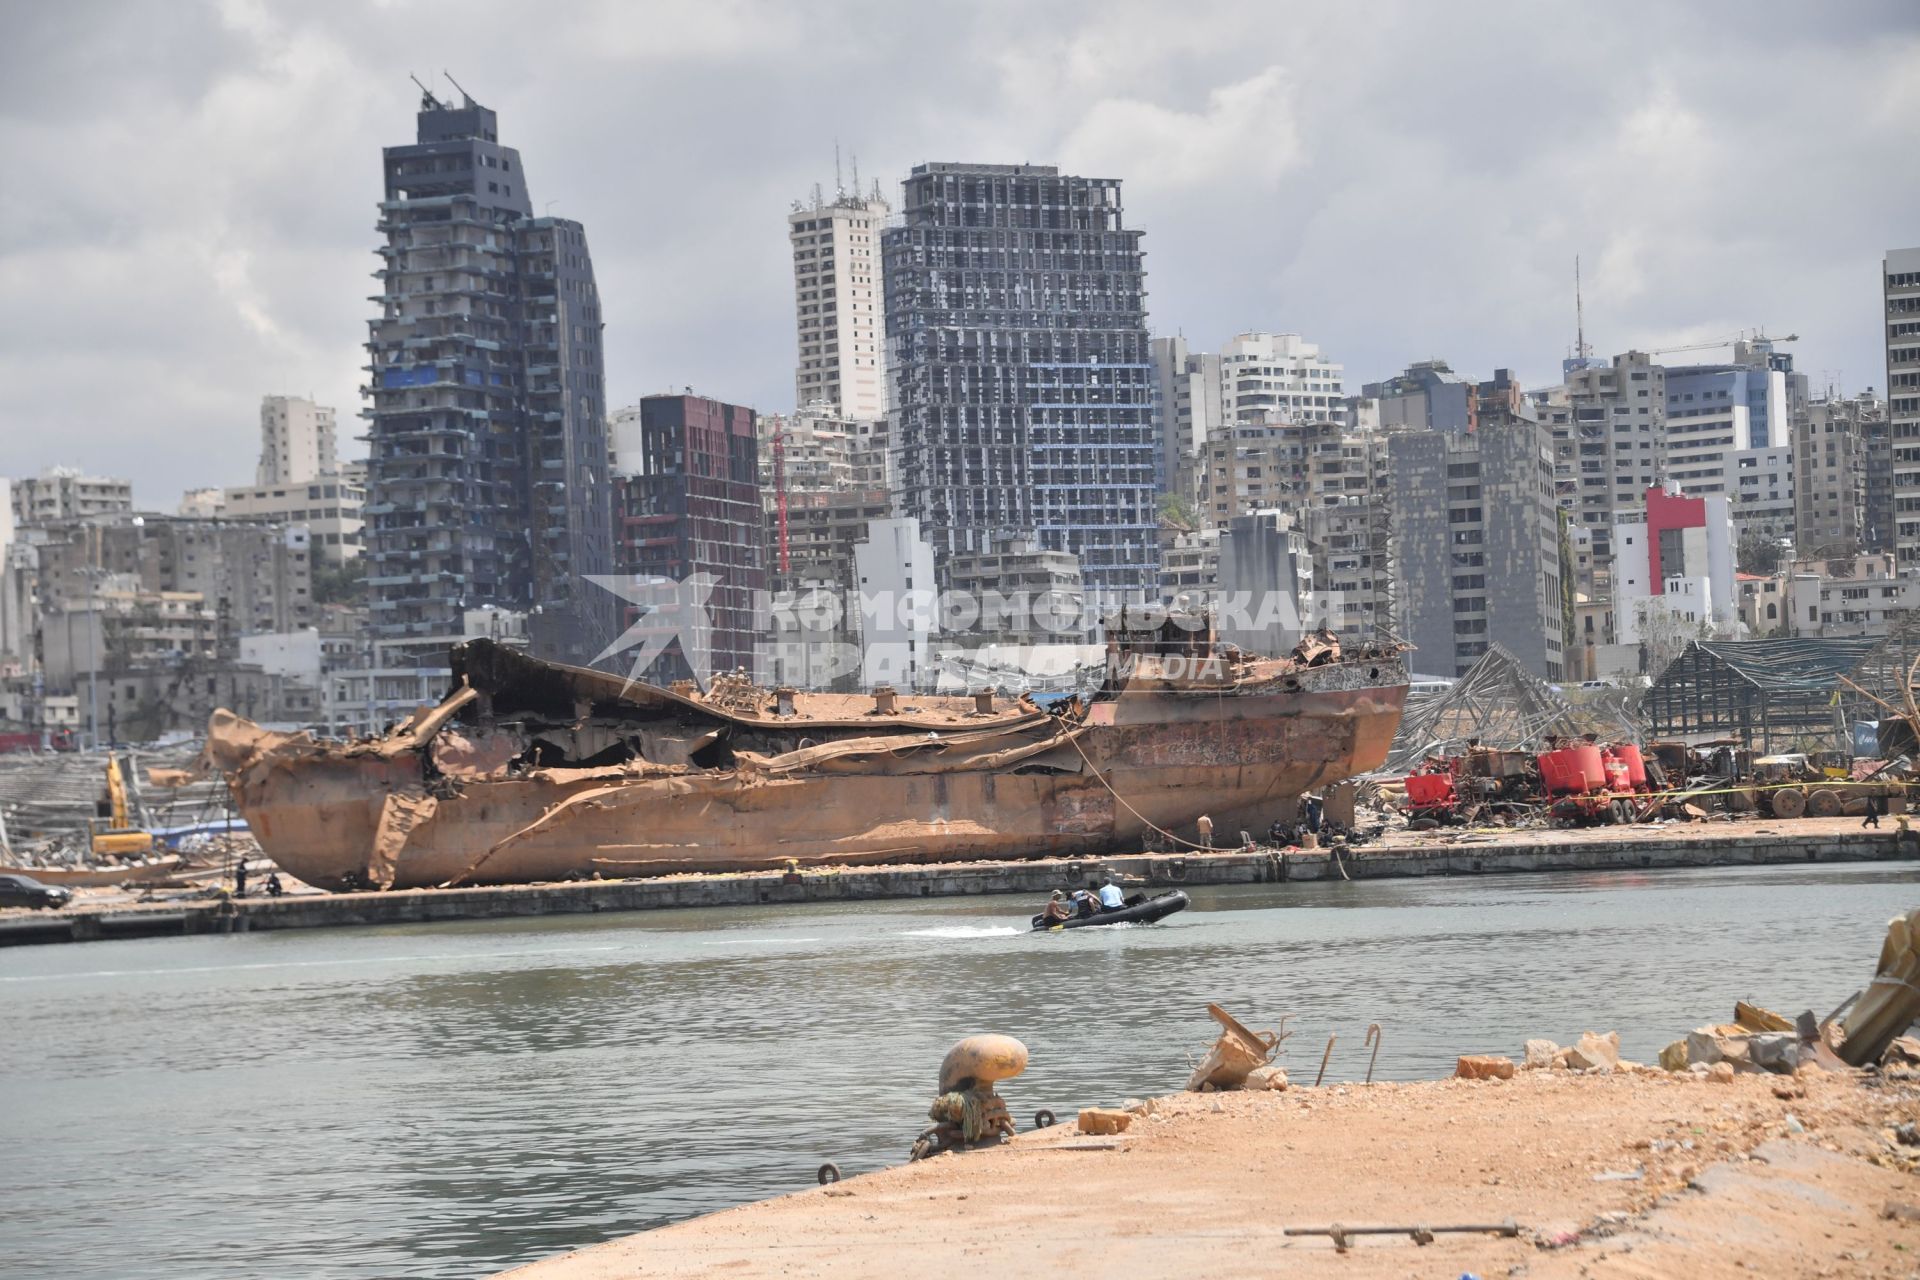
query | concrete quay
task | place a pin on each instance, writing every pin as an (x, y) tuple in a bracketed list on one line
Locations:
[(1404, 855)]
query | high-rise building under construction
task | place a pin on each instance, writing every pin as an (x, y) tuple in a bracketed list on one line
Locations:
[(487, 468), (1022, 384)]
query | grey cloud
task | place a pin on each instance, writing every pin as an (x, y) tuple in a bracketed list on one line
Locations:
[(187, 220)]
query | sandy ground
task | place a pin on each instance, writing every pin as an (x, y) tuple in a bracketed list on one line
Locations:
[(1733, 1181)]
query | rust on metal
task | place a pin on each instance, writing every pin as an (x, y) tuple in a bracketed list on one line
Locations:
[(532, 771)]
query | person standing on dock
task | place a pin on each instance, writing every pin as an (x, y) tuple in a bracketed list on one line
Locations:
[(1875, 807), (1206, 831), (240, 878)]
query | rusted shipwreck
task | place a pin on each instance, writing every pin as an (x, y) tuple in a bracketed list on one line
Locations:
[(532, 771)]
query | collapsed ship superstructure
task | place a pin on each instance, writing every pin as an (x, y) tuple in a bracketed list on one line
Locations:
[(531, 771)]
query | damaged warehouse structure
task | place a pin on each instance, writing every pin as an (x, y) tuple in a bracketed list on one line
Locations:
[(1772, 695)]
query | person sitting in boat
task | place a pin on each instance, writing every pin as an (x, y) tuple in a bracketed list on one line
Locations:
[(1057, 908), (1085, 905), (1111, 899)]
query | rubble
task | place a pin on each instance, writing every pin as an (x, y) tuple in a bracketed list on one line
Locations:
[(1236, 1054), (1101, 1121), (1270, 1078), (1593, 1052), (1891, 1001), (1480, 1066)]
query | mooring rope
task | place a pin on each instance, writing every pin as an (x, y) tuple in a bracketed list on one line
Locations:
[(1130, 809)]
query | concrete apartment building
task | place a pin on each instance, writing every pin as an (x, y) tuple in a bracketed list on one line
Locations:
[(1426, 395), (1609, 441), (332, 508), (19, 592), (687, 501), (252, 577), (1876, 435), (1253, 466), (1263, 374), (1832, 443), (818, 447), (1729, 431), (1022, 381), (1189, 384), (1900, 285), (1675, 556), (823, 527), (297, 443), (1332, 478), (839, 304), (1024, 594), (1266, 583), (1189, 566), (1858, 595), (1477, 546), (898, 604), (121, 626), (1349, 542), (487, 476), (63, 493)]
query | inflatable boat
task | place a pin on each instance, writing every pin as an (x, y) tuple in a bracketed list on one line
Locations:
[(1137, 911)]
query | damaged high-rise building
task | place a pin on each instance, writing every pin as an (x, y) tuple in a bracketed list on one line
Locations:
[(1476, 536), (487, 468), (1022, 382), (1900, 318)]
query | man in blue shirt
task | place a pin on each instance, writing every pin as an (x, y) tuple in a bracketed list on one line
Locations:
[(1111, 899)]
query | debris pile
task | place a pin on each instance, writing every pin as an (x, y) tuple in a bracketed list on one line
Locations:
[(50, 802), (1498, 703), (1240, 1058), (1876, 1017)]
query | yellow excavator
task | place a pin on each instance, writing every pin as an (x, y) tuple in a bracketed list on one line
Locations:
[(117, 836)]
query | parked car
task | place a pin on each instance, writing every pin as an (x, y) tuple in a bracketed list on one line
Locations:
[(25, 891)]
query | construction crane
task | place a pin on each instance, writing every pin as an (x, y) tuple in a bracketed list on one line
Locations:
[(1756, 336)]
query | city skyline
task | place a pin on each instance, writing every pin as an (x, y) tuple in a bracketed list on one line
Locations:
[(166, 252)]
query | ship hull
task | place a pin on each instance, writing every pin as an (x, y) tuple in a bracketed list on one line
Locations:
[(1138, 771)]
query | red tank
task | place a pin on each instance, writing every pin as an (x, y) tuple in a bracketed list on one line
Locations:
[(1590, 764), (1636, 767), (1429, 790), (1617, 774), (1560, 774)]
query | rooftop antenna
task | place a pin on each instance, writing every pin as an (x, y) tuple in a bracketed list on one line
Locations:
[(856, 172), (1580, 348), (839, 187), (818, 199), (426, 95), (456, 84)]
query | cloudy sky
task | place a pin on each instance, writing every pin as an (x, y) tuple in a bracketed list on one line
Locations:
[(187, 190)]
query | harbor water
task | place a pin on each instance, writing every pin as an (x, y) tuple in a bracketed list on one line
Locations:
[(450, 1100)]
